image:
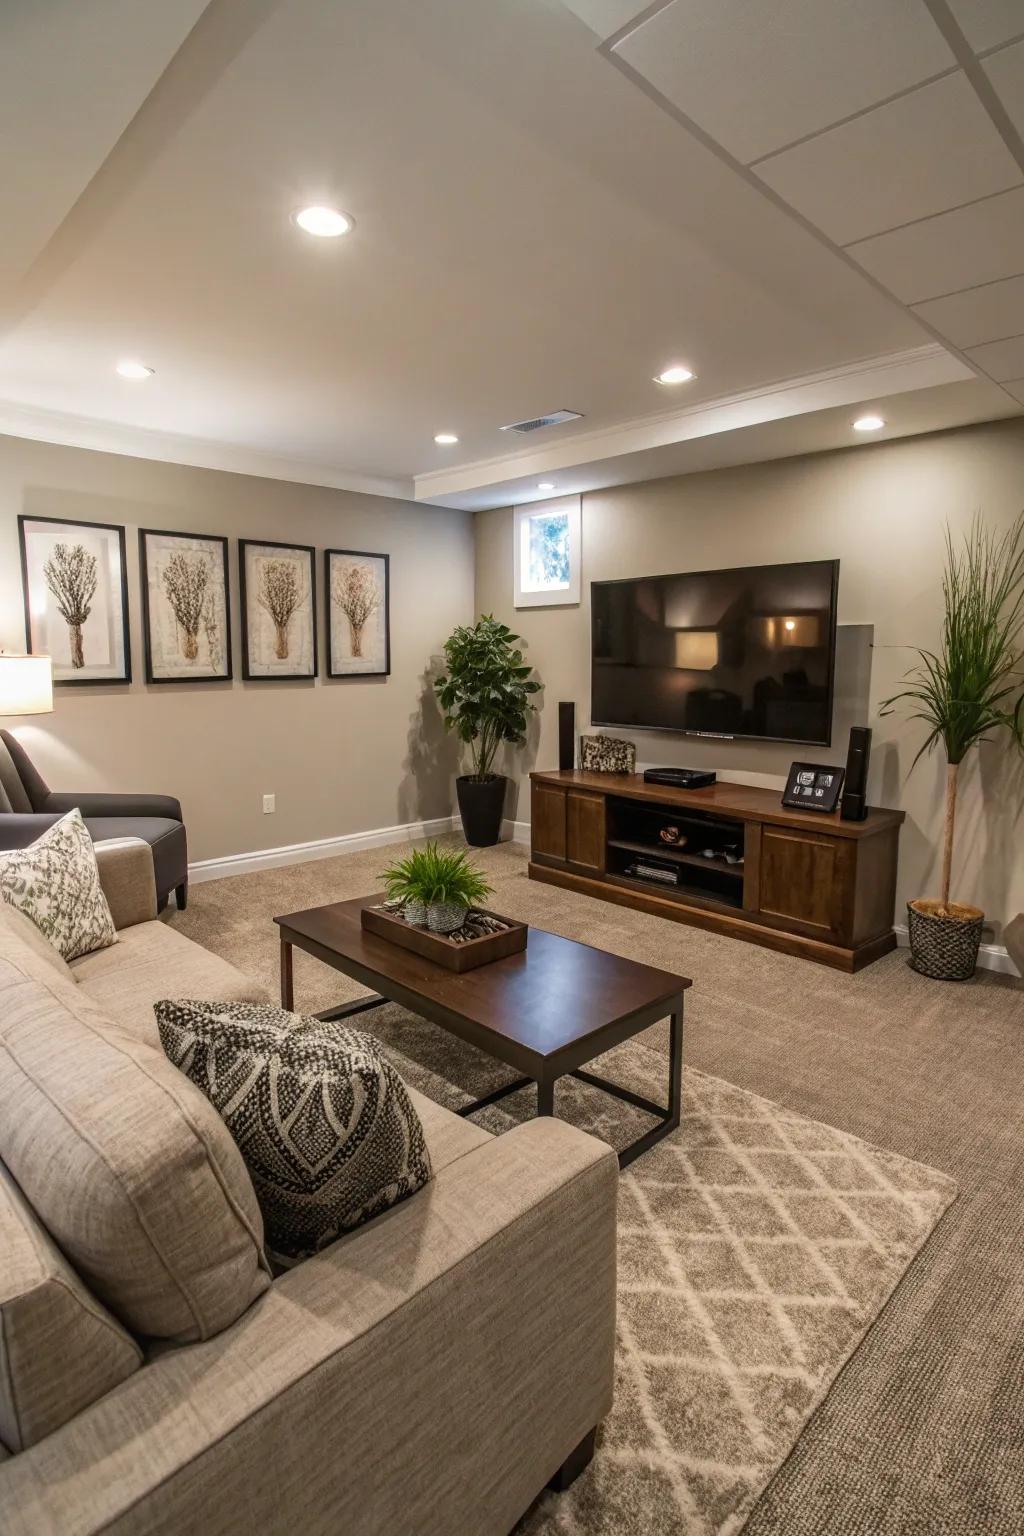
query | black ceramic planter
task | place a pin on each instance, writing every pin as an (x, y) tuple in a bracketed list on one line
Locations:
[(481, 803)]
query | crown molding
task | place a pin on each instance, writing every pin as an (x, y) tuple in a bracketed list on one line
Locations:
[(850, 383), (198, 453)]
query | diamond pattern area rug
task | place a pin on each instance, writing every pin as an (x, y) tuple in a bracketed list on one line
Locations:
[(756, 1248)]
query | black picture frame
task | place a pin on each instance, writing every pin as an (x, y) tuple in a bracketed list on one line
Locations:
[(309, 551), (147, 639), (26, 518), (357, 554), (814, 787)]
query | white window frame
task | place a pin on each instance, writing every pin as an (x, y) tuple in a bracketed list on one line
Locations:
[(556, 597)]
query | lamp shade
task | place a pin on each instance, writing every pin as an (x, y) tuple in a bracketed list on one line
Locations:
[(26, 685)]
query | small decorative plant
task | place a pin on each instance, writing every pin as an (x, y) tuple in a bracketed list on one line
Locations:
[(971, 689), (486, 694), (435, 885)]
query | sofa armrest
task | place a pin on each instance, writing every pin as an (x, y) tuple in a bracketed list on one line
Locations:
[(102, 803), (427, 1374), (19, 828), (128, 880)]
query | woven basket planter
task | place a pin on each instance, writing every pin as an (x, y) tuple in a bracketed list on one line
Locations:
[(445, 916), (944, 943)]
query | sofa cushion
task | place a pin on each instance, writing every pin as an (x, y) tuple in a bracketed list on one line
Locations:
[(55, 882), (125, 1162), (153, 961), (448, 1136), (322, 1118), (60, 1349), (14, 922)]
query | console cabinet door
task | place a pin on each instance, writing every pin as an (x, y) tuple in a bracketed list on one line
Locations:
[(547, 823), (585, 835), (805, 882)]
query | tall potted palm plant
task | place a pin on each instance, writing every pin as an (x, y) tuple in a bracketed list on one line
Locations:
[(971, 690), (486, 698)]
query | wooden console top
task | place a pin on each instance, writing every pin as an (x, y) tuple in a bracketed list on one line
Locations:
[(744, 802)]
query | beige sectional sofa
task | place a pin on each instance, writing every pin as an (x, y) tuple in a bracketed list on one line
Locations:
[(429, 1373)]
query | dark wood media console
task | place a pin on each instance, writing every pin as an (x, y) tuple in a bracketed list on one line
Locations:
[(798, 881)]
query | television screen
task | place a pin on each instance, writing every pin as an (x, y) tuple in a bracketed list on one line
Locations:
[(747, 652)]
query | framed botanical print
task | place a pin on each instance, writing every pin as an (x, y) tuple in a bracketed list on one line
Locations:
[(76, 598), (186, 611), (358, 617), (278, 596)]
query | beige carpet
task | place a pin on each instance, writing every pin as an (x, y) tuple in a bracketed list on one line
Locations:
[(921, 1433)]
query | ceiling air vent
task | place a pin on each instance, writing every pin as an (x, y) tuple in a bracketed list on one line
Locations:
[(555, 419)]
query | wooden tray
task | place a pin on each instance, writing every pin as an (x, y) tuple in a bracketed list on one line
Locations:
[(443, 950)]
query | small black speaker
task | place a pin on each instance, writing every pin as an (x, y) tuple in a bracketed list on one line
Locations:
[(855, 787), (567, 736)]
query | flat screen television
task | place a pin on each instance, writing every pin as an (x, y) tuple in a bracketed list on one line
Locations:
[(739, 653)]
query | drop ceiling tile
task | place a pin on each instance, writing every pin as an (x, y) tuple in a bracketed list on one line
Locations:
[(1015, 388), (987, 23), (1001, 360), (759, 74), (606, 17), (979, 244), (978, 314), (924, 153), (1005, 69)]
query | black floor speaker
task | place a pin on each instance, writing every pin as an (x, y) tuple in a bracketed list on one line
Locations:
[(855, 785), (567, 736)]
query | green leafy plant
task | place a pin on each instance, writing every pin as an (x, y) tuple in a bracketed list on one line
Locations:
[(485, 693), (974, 686), (433, 875)]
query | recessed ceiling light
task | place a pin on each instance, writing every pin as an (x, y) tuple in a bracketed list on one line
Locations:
[(545, 485), (128, 368), (868, 424), (445, 439), (326, 222), (678, 373)]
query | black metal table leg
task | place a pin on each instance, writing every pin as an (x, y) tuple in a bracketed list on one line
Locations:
[(669, 1117), (346, 1010)]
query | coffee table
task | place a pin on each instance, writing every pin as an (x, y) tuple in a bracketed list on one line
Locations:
[(546, 1011)]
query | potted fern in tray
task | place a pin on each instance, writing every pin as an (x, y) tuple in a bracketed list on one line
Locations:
[(970, 691), (436, 887)]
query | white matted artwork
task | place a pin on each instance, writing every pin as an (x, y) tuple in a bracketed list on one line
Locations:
[(186, 613), (278, 596), (358, 627), (76, 598)]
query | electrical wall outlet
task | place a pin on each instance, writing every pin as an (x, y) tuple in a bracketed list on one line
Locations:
[(269, 804)]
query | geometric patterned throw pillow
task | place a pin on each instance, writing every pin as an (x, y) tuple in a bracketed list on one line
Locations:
[(55, 882), (322, 1119)]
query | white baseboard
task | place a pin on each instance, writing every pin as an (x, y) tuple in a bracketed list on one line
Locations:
[(322, 848), (991, 957)]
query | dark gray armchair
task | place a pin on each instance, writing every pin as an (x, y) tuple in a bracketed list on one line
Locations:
[(28, 807)]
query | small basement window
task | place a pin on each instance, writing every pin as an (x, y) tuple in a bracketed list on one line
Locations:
[(547, 553)]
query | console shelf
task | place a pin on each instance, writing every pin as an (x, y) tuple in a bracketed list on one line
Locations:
[(676, 856), (809, 884)]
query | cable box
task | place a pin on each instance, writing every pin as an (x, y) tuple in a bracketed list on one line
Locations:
[(679, 778)]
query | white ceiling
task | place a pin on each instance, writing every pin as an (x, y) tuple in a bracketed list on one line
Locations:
[(551, 204)]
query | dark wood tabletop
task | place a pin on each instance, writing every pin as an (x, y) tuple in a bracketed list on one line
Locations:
[(552, 1004)]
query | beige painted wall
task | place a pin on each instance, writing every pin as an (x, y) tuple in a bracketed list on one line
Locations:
[(880, 509), (341, 756)]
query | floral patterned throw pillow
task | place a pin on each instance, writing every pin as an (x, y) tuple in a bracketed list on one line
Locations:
[(55, 882)]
